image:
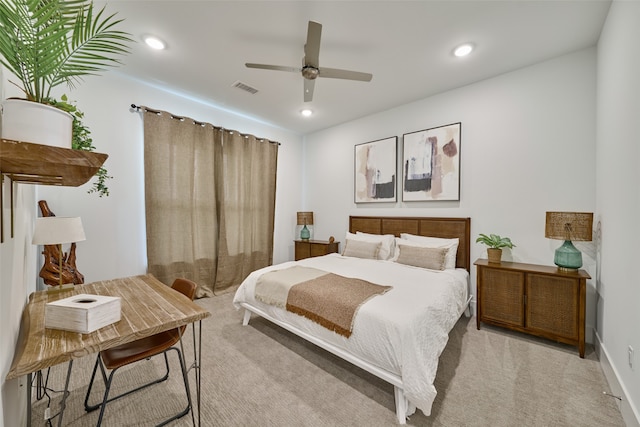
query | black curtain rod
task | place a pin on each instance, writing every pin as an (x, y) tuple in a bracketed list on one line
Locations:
[(173, 116), (139, 107)]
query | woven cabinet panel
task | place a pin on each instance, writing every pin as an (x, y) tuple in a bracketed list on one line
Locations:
[(303, 250), (502, 296), (552, 305), (318, 250)]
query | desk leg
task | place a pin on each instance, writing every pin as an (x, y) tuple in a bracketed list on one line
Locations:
[(65, 393), (185, 373), (29, 379), (199, 365), (40, 385), (196, 365)]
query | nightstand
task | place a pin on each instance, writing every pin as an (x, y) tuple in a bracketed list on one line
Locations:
[(535, 299), (311, 248)]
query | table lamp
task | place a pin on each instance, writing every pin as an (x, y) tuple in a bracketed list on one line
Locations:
[(569, 226), (304, 219), (53, 230)]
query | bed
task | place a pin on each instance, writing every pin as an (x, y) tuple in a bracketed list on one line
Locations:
[(398, 334)]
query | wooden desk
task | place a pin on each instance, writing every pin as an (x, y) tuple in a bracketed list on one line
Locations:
[(148, 307)]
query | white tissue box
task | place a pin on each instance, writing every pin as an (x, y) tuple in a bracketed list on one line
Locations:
[(82, 313)]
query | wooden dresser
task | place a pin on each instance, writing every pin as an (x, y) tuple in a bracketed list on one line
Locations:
[(536, 299), (311, 248)]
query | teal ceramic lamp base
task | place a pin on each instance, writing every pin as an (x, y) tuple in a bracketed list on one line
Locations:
[(568, 257), (305, 233)]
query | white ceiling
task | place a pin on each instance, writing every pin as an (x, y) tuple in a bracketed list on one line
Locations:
[(406, 45)]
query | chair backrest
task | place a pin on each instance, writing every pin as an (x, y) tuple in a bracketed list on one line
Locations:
[(185, 287)]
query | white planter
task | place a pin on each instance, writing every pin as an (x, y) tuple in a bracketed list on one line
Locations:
[(28, 121)]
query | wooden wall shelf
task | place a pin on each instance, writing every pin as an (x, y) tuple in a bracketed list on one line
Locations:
[(25, 162)]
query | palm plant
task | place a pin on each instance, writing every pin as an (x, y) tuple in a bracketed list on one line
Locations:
[(46, 43)]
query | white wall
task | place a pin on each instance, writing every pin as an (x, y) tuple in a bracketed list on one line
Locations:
[(17, 280), (618, 201), (527, 147)]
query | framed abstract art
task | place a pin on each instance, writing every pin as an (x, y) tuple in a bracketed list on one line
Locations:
[(375, 171), (431, 164)]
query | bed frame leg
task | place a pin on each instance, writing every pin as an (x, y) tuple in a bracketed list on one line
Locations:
[(402, 405), (467, 310), (247, 316)]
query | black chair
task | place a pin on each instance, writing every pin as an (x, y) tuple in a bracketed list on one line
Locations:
[(145, 348)]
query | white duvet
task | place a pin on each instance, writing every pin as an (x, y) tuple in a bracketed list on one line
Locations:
[(403, 331)]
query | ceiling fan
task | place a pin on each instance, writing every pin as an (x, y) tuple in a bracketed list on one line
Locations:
[(310, 64)]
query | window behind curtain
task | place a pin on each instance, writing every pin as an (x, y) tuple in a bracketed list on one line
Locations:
[(210, 202)]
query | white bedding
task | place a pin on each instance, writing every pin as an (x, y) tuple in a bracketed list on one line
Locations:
[(403, 331)]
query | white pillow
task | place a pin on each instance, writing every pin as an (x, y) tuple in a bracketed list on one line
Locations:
[(361, 249), (387, 242), (436, 242), (421, 256)]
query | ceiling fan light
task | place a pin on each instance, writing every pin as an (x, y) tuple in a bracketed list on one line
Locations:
[(309, 72), (463, 50), (306, 112), (154, 42)]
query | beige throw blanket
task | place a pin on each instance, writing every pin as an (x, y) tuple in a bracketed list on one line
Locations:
[(325, 298)]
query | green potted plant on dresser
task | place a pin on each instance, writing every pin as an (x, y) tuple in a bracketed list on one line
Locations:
[(47, 43), (495, 243)]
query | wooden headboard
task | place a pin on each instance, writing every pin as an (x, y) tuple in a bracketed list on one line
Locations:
[(447, 228)]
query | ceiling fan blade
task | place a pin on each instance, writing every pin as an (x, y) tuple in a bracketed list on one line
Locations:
[(273, 67), (312, 47), (310, 69), (334, 73), (308, 89)]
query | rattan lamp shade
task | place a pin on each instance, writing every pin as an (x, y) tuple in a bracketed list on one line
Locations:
[(576, 226), (305, 218)]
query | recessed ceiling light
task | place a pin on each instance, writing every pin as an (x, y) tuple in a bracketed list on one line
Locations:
[(154, 42), (463, 50), (306, 112)]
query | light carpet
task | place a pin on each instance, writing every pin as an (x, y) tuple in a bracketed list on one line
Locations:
[(262, 375)]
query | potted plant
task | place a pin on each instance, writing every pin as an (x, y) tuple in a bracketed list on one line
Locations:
[(81, 140), (46, 43), (495, 244)]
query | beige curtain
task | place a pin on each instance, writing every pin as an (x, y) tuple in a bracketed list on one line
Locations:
[(210, 201)]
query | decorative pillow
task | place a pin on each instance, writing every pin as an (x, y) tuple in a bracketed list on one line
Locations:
[(436, 242), (361, 249), (387, 242), (417, 256)]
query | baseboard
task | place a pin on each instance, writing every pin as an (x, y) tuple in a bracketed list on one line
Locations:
[(628, 410)]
